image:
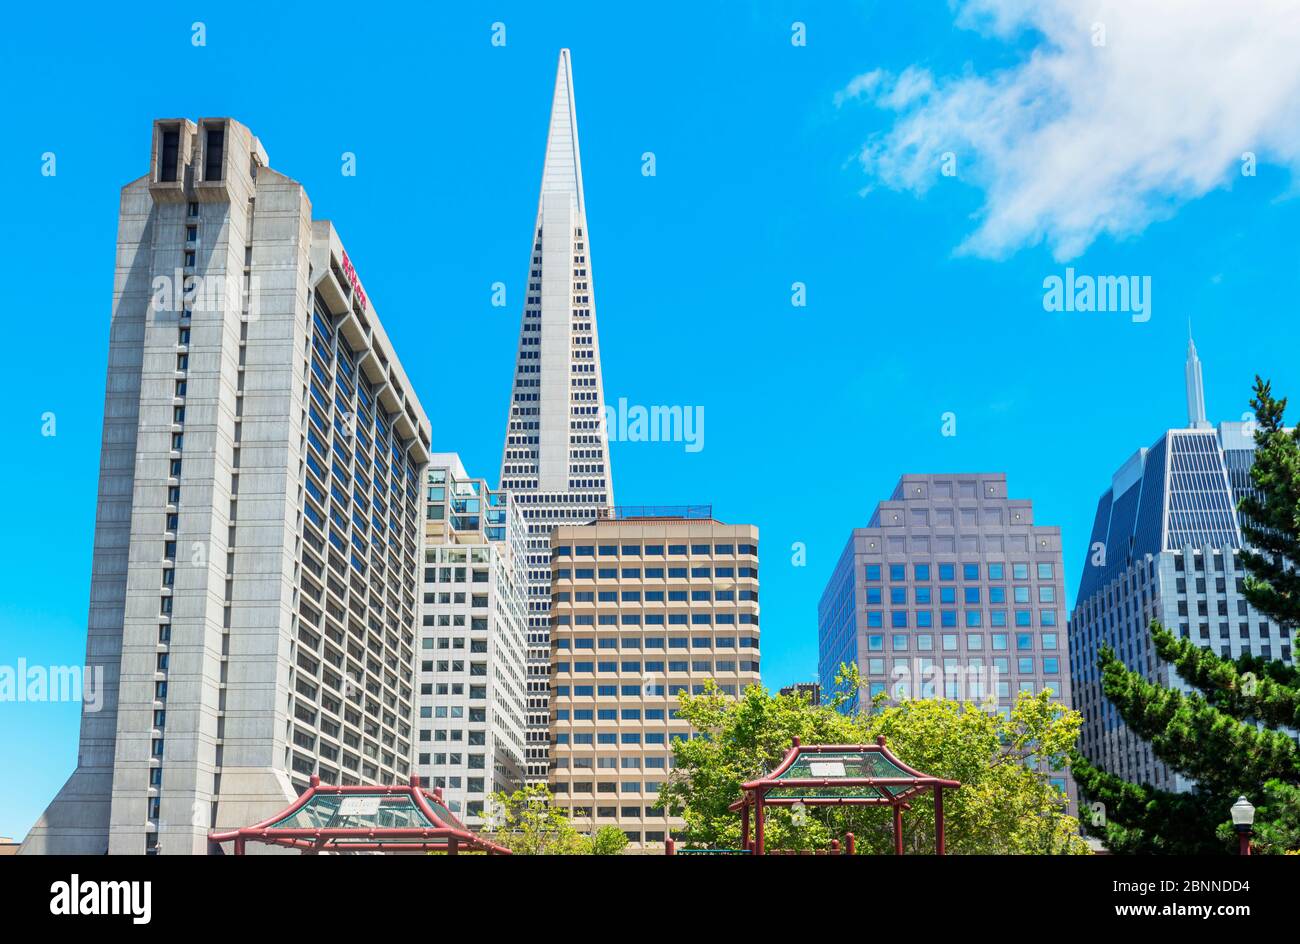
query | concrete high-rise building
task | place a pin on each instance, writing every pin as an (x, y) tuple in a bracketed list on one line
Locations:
[(951, 591), (555, 464), (1166, 545), (470, 731), (646, 604), (254, 588)]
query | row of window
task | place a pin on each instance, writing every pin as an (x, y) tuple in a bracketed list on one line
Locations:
[(924, 596), (948, 572), (657, 619), (657, 596), (624, 786), (924, 642), (657, 642), (650, 690), (653, 573), (958, 689), (693, 665), (616, 714), (653, 550), (1001, 665), (924, 619)]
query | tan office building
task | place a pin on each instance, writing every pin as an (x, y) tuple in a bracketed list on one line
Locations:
[(646, 604)]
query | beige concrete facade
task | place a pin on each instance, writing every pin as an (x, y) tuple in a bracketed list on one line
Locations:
[(643, 609)]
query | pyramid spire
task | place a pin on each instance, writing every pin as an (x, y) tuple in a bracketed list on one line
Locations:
[(1195, 386), (556, 456), (562, 171)]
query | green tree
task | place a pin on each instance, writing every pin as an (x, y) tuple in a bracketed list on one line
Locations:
[(528, 823), (1228, 733), (608, 840), (1007, 803)]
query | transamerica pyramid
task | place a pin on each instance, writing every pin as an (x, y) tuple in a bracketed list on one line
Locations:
[(555, 465)]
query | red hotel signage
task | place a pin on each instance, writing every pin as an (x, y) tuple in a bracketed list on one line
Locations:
[(355, 282)]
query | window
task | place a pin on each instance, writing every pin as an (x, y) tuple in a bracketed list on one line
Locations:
[(169, 161), (214, 153)]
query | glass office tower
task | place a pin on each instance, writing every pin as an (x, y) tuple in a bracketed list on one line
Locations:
[(1165, 545)]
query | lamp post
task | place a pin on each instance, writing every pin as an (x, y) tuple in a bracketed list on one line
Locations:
[(1243, 820)]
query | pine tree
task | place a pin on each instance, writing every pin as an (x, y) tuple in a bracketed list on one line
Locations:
[(1229, 733)]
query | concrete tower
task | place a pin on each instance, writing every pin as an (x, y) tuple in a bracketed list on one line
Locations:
[(253, 591)]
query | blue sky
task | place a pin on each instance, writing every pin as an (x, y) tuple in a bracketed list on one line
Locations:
[(924, 292)]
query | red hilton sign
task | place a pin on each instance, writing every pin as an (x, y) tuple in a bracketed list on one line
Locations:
[(355, 282)]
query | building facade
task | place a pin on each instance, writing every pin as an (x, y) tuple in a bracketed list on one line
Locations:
[(644, 608), (1165, 545), (254, 588), (951, 591), (812, 690), (555, 464), (473, 645)]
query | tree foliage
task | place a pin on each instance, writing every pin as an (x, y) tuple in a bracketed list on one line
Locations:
[(528, 823), (608, 840), (1227, 734), (1007, 803)]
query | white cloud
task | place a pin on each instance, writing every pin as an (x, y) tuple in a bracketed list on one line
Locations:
[(1078, 140)]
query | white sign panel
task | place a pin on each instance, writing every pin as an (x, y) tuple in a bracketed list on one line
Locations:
[(359, 806), (827, 768)]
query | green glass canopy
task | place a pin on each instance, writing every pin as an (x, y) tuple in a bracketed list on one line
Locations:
[(365, 811), (840, 766)]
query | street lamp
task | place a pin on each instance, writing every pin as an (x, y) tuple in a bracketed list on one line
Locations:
[(1243, 819)]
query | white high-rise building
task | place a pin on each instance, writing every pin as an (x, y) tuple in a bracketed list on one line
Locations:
[(257, 537), (555, 464), (470, 730)]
